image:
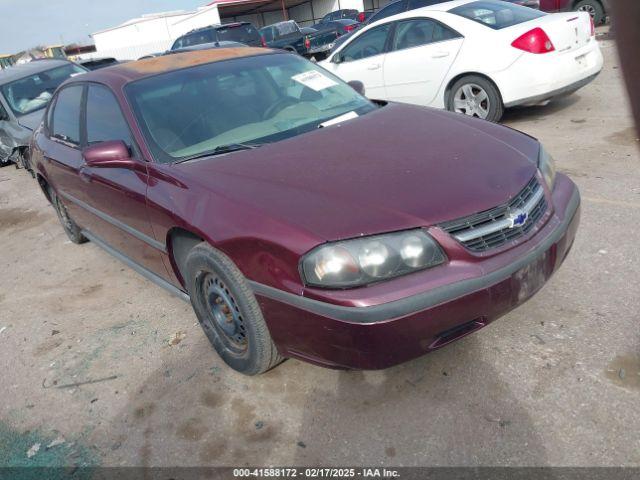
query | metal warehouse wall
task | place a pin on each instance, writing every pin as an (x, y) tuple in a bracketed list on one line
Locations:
[(148, 35)]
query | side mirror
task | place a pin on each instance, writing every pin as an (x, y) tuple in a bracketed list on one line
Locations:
[(108, 154), (337, 58), (357, 85)]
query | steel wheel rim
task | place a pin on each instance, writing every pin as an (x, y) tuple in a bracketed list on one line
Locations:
[(589, 9), (222, 313), (471, 99)]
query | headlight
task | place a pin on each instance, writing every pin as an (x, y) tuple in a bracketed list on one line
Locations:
[(365, 260), (547, 167)]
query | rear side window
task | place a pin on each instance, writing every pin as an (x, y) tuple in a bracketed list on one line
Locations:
[(496, 14), (413, 33), (66, 115), (240, 33), (105, 121)]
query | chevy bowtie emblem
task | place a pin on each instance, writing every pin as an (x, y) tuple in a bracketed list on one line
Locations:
[(517, 218)]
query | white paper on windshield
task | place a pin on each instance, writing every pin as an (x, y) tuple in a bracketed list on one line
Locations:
[(340, 119), (314, 80)]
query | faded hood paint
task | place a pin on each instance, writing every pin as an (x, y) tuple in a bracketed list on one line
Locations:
[(396, 168)]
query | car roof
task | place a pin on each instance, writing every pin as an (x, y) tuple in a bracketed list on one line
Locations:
[(216, 26), (16, 72), (205, 46), (121, 74)]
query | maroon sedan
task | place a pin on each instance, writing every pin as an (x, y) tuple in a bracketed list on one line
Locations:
[(299, 218)]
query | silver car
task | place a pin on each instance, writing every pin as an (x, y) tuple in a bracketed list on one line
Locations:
[(25, 91)]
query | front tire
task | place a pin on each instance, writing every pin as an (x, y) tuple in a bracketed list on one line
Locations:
[(476, 96), (593, 8), (229, 312)]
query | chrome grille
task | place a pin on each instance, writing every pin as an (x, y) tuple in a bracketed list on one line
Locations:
[(493, 228)]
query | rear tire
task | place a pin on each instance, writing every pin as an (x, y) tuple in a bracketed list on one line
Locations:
[(228, 311), (70, 227), (476, 96), (593, 8)]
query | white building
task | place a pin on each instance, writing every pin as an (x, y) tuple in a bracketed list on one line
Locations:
[(156, 32)]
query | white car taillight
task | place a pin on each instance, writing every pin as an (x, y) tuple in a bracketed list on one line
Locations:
[(534, 41)]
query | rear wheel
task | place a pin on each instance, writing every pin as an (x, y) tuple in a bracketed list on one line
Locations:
[(229, 312), (593, 8), (477, 97), (70, 227)]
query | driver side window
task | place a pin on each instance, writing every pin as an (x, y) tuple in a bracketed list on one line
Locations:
[(368, 44)]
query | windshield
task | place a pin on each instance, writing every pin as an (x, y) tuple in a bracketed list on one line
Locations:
[(34, 92), (251, 100), (496, 14)]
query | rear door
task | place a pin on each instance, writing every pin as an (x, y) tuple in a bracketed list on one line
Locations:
[(363, 59), (421, 54), (62, 152)]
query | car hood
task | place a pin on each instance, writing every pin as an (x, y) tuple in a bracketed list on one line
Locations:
[(395, 168), (31, 120)]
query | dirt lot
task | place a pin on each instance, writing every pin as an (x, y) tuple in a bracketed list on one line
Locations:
[(556, 382)]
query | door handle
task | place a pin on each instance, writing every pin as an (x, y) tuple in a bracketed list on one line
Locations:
[(440, 55), (373, 66)]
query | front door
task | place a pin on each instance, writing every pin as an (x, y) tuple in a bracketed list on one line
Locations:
[(363, 59), (116, 196), (421, 54)]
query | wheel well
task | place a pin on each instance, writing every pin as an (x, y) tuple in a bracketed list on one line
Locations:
[(447, 90), (179, 244), (576, 2)]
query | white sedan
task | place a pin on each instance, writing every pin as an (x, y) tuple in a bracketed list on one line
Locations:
[(472, 57)]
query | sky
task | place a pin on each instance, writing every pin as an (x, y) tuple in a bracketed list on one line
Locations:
[(28, 23)]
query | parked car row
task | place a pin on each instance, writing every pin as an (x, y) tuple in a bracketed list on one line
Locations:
[(598, 9), (472, 57)]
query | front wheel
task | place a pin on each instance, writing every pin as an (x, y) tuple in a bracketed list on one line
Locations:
[(477, 97), (593, 8), (229, 312)]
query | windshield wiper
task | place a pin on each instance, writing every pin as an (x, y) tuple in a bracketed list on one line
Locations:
[(221, 149)]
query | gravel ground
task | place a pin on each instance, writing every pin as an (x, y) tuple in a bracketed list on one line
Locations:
[(556, 382)]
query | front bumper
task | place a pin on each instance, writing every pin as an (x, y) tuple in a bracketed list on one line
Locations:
[(385, 334)]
